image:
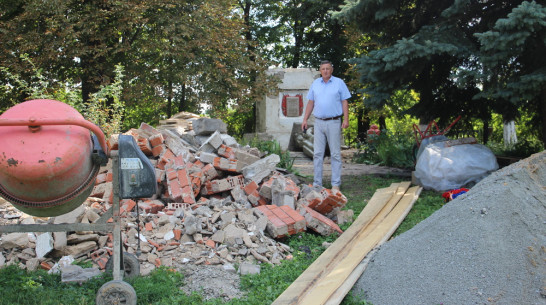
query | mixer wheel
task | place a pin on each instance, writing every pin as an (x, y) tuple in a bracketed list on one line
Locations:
[(131, 266), (116, 292)]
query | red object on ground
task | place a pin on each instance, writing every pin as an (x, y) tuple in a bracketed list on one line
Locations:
[(46, 167)]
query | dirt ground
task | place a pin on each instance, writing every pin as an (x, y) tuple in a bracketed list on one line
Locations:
[(304, 165)]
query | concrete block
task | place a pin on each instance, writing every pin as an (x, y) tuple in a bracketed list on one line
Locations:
[(221, 185), (207, 126), (260, 169), (229, 140), (215, 140), (207, 157)]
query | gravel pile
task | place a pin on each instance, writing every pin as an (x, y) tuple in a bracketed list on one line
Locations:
[(487, 246)]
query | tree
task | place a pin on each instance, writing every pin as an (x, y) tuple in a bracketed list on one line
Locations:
[(428, 46), (514, 65), (177, 55)]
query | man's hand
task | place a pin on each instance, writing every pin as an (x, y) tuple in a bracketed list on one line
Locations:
[(345, 124)]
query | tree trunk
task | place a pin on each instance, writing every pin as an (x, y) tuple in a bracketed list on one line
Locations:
[(485, 136), (169, 99), (362, 125), (298, 39), (182, 101), (542, 102)]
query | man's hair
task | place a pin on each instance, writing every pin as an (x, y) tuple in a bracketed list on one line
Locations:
[(323, 62)]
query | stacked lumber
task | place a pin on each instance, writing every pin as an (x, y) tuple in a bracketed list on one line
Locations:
[(332, 275)]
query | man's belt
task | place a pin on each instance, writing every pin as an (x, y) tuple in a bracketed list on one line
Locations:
[(332, 118)]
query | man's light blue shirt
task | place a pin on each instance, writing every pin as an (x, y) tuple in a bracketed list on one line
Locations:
[(328, 97)]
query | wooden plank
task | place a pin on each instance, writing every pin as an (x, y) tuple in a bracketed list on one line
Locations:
[(327, 260), (377, 231), (348, 284)]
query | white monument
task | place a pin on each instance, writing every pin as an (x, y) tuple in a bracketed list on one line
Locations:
[(277, 114)]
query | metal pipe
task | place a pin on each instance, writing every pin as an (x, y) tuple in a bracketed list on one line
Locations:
[(33, 122)]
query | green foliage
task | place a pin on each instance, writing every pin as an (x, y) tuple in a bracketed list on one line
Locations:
[(523, 149), (461, 57), (104, 108), (388, 149)]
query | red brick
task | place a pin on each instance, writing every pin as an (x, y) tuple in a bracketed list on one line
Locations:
[(183, 178), (45, 265), (251, 187), (165, 158), (158, 150), (144, 146), (281, 223), (109, 177), (171, 174), (127, 205), (177, 234), (187, 194), (198, 164), (210, 243), (318, 222), (179, 161), (156, 139), (148, 226), (226, 152)]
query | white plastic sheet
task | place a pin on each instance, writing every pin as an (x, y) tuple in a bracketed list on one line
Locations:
[(444, 168)]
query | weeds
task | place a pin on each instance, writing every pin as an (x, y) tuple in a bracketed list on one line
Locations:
[(388, 149)]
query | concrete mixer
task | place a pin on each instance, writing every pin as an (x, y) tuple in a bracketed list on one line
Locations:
[(49, 159)]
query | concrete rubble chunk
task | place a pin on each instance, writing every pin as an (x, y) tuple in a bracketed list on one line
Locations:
[(192, 225), (229, 140), (59, 240), (78, 238), (212, 143), (74, 216), (248, 268), (260, 169), (80, 249), (44, 244), (207, 126), (14, 240), (77, 274)]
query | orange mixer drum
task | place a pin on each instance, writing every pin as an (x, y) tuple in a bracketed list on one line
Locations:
[(45, 169)]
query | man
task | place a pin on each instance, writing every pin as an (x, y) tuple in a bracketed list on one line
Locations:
[(328, 102)]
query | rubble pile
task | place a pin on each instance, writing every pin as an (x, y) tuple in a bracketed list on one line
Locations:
[(217, 203)]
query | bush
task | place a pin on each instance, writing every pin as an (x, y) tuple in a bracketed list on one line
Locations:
[(388, 149)]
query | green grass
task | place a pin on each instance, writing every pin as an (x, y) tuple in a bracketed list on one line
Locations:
[(162, 286)]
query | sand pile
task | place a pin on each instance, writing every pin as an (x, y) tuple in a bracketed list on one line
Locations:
[(488, 246)]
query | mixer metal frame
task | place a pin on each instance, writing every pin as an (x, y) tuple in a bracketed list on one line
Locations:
[(121, 291)]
